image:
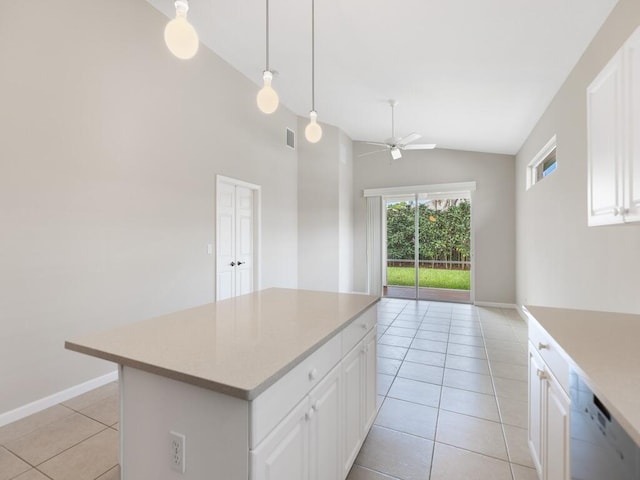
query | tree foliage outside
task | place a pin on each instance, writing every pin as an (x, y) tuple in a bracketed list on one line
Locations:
[(444, 232)]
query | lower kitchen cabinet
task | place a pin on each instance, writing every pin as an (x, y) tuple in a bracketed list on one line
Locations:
[(320, 438), (557, 437), (325, 426), (549, 408), (370, 375), (359, 372), (306, 444), (354, 385), (284, 454)]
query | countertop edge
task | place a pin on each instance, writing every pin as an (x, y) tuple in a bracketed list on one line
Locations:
[(237, 392), (163, 372), (629, 427)]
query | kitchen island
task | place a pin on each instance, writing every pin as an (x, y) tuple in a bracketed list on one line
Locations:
[(277, 384)]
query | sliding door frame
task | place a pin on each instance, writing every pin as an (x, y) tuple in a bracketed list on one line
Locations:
[(449, 189)]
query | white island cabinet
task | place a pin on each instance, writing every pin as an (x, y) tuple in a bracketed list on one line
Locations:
[(274, 385)]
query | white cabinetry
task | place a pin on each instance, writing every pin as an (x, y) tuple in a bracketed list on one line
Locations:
[(353, 405), (535, 408), (613, 119), (321, 435), (370, 374), (359, 372), (285, 452), (306, 444), (549, 406)]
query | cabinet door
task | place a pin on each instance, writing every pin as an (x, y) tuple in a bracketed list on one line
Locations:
[(370, 390), (604, 125), (325, 429), (632, 89), (353, 403), (284, 453), (536, 372), (556, 432)]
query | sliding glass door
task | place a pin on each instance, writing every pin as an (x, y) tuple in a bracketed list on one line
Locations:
[(401, 271), (428, 247)]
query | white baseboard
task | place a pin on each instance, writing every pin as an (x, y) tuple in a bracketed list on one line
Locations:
[(35, 407), (495, 305), (523, 315)]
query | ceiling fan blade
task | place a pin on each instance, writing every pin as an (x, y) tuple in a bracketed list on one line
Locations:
[(420, 146), (371, 153), (378, 144), (408, 139)]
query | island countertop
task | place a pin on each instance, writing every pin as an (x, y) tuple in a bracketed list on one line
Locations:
[(604, 347), (239, 346)]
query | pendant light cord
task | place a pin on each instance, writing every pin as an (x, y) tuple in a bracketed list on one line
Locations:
[(313, 55), (393, 123), (267, 42)]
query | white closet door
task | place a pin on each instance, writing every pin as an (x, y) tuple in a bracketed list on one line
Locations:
[(235, 252), (226, 232), (244, 241)]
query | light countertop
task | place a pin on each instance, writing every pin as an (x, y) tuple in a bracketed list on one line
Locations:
[(239, 346), (605, 349)]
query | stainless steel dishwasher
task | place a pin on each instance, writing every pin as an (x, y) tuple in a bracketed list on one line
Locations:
[(600, 448)]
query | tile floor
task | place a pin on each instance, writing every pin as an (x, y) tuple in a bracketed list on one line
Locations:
[(452, 395), (75, 440), (452, 405)]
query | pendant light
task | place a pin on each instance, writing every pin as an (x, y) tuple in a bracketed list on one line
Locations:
[(267, 98), (179, 35), (313, 132)]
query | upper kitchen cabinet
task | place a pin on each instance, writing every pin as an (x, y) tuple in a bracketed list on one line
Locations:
[(613, 122)]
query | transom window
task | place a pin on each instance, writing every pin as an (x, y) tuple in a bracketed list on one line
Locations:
[(543, 164)]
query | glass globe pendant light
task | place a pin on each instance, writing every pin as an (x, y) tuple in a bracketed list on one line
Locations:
[(267, 98), (179, 35), (313, 131)]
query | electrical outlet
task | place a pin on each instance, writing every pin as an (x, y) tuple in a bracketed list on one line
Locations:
[(177, 451)]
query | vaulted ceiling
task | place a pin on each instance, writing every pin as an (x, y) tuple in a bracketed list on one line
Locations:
[(467, 74)]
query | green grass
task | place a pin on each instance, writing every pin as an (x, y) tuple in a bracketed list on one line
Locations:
[(430, 277)]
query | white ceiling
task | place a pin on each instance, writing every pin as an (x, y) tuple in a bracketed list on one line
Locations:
[(468, 74)]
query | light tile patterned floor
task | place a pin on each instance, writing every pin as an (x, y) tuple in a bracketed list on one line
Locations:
[(75, 440), (452, 394), (452, 405)]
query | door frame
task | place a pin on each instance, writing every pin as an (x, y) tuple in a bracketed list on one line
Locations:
[(466, 188), (257, 230)]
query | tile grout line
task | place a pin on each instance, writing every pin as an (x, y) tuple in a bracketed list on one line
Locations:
[(502, 424), (435, 430)]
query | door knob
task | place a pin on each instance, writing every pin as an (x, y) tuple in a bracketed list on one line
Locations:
[(233, 264), (241, 263)]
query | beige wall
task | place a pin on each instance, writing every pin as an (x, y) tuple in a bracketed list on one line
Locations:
[(560, 261), (325, 190), (109, 148), (493, 208)]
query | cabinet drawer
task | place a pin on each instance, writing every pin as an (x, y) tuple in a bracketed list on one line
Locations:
[(357, 329), (548, 349), (271, 406)]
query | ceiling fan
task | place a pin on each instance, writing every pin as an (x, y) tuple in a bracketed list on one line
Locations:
[(395, 145)]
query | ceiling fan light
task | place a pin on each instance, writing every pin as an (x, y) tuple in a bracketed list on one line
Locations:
[(267, 98), (179, 35), (313, 131), (396, 153)]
